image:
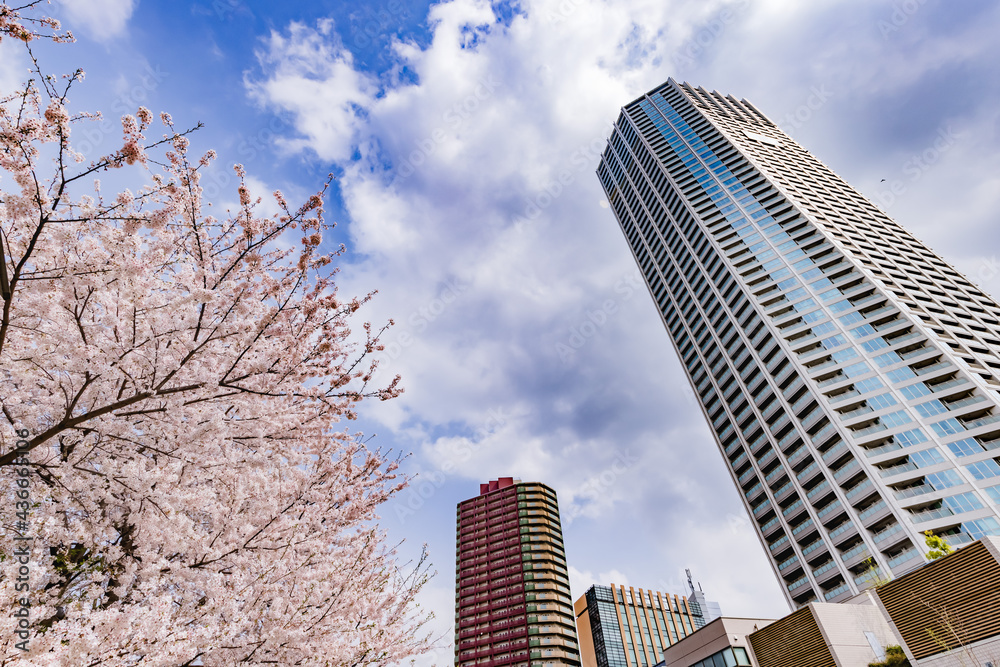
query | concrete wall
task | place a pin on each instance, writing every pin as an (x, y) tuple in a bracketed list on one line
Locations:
[(844, 626), (712, 638)]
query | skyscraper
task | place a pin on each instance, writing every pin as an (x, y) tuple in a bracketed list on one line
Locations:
[(512, 599), (627, 627), (848, 374)]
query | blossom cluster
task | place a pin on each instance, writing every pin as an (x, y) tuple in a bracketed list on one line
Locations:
[(184, 381)]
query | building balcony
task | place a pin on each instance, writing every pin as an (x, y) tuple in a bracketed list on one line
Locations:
[(847, 472), (855, 555), (826, 572), (892, 534), (793, 510), (797, 584), (842, 533), (770, 527), (819, 492), (950, 387), (803, 530), (814, 550), (875, 513), (829, 513), (860, 492), (904, 561), (856, 412), (834, 455), (761, 508), (775, 475), (837, 594), (797, 455), (782, 491), (786, 566), (807, 473)]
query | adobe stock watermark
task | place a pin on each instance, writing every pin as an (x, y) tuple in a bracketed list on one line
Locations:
[(418, 321), (802, 114), (598, 486), (563, 11), (584, 158), (454, 117), (704, 38), (375, 22), (216, 180), (91, 135), (597, 317), (902, 12), (987, 270), (917, 165), (426, 484), (20, 559)]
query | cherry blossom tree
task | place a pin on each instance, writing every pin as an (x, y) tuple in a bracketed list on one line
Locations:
[(180, 488)]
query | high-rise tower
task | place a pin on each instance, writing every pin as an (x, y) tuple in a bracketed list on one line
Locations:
[(512, 597), (849, 374)]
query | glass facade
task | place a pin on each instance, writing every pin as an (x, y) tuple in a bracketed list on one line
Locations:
[(729, 657), (632, 627), (847, 373)]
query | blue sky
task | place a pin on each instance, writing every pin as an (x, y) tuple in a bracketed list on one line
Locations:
[(464, 137)]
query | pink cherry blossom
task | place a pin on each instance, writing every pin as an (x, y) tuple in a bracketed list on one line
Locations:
[(180, 381)]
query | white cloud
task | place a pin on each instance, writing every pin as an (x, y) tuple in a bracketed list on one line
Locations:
[(99, 19), (580, 581), (313, 77)]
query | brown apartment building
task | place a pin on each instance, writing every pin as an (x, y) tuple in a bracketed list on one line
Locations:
[(512, 597)]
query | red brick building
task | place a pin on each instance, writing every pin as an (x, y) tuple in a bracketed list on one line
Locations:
[(512, 599)]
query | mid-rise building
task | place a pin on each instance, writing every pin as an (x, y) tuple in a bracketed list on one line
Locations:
[(623, 626), (723, 641), (849, 375), (512, 599)]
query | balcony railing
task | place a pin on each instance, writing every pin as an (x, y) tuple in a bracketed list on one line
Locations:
[(805, 472), (896, 469), (843, 397), (787, 563), (855, 551), (854, 491), (826, 567), (902, 557), (832, 507), (931, 515), (782, 489), (843, 528), (868, 430), (811, 547), (857, 412), (818, 489), (846, 470), (774, 474), (777, 544), (912, 491), (802, 527), (933, 368), (770, 524), (871, 511), (798, 582), (839, 590), (888, 532), (834, 452)]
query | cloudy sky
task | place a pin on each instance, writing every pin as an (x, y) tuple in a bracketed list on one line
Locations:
[(464, 136)]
